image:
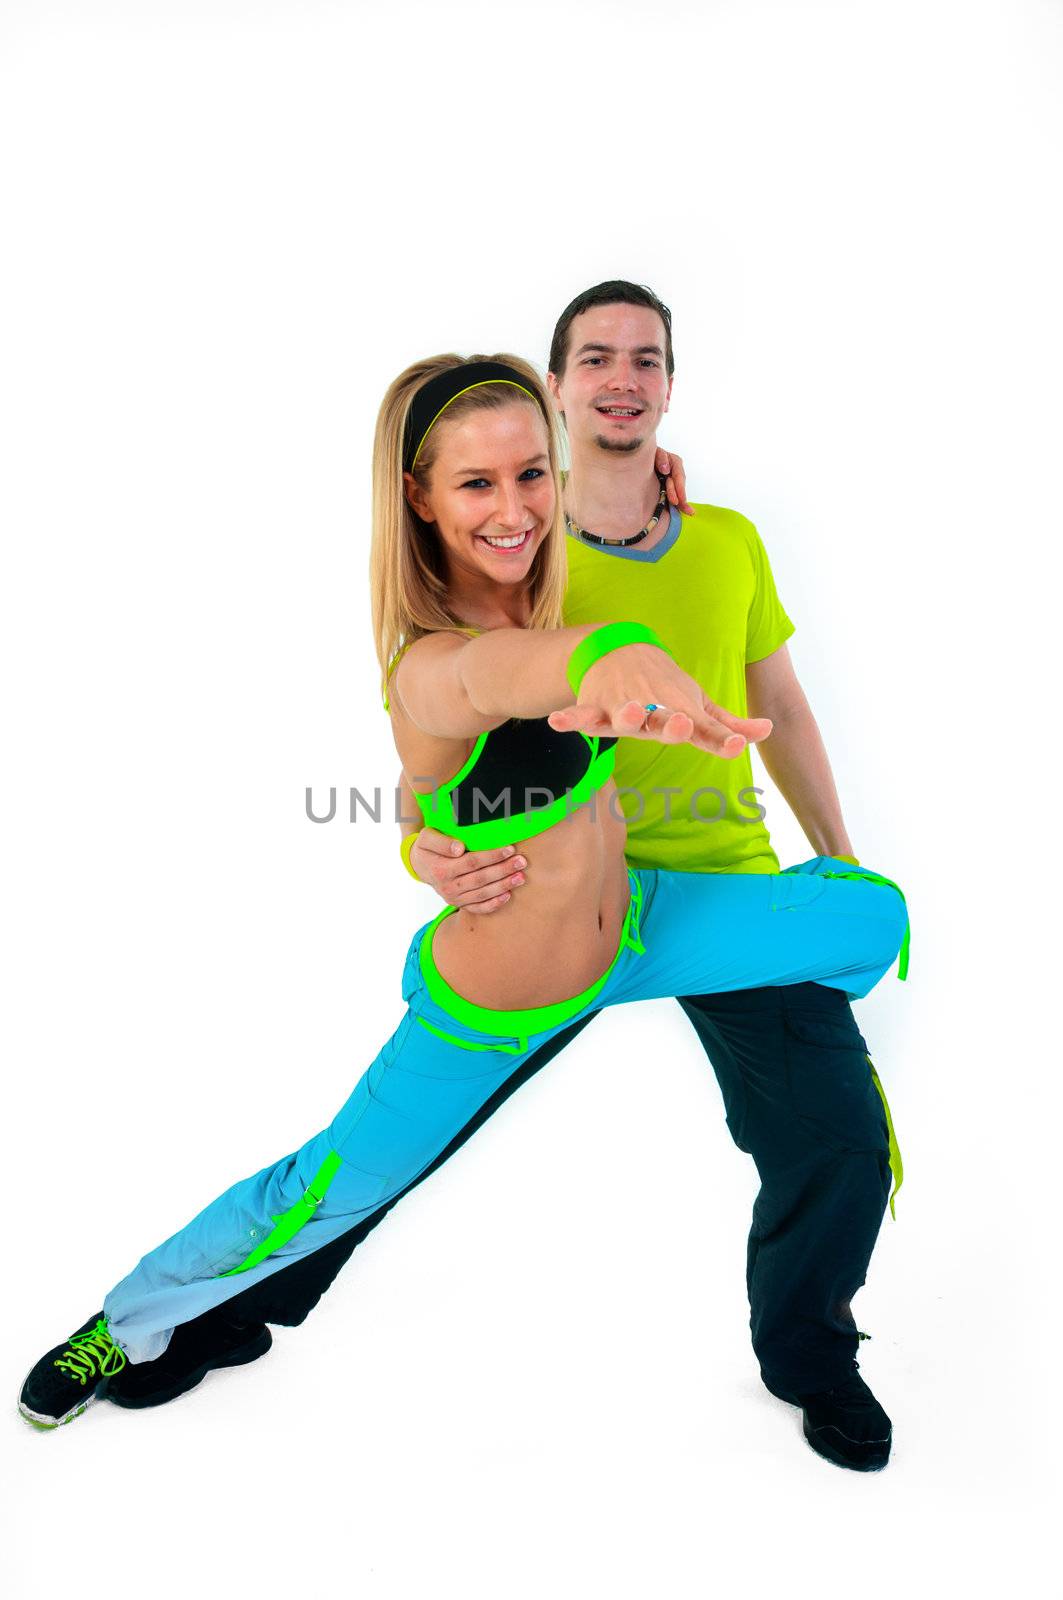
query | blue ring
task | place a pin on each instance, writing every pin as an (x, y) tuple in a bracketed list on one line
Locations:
[(651, 708)]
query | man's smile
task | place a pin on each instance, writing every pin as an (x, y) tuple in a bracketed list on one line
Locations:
[(619, 413)]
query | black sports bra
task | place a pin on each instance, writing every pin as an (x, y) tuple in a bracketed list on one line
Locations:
[(519, 779)]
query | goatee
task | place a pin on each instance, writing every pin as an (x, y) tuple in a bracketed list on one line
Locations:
[(623, 446)]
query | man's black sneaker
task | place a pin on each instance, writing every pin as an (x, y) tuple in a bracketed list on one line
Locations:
[(65, 1382), (845, 1424), (194, 1349)]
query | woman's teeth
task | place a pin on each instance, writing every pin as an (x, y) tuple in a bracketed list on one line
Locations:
[(515, 542)]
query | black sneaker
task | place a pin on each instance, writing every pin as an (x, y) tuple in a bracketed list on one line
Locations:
[(194, 1349), (65, 1382), (845, 1424)]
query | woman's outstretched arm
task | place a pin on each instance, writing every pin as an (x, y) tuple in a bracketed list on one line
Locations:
[(456, 688)]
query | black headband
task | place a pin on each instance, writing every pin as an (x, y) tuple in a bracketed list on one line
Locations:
[(433, 398)]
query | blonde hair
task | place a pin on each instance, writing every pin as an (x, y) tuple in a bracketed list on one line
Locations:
[(407, 576)]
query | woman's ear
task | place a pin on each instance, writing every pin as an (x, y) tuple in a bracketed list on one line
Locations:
[(417, 497)]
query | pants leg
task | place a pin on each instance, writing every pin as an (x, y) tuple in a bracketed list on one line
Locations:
[(290, 1294), (708, 933), (288, 1297), (800, 1098), (430, 1082)]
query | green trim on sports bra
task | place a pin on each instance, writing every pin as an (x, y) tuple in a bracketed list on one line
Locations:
[(437, 807)]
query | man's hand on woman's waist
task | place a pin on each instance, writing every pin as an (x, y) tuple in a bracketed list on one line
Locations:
[(475, 880)]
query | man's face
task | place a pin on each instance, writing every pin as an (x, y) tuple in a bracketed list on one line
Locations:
[(614, 389)]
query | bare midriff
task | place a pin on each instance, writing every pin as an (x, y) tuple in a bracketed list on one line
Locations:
[(560, 929)]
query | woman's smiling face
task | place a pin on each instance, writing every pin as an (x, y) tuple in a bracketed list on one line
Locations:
[(490, 492)]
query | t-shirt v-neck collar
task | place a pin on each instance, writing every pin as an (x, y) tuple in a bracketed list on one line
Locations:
[(634, 552)]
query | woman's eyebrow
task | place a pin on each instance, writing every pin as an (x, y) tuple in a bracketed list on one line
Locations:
[(485, 472)]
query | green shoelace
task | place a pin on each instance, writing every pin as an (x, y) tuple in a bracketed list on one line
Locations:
[(91, 1354)]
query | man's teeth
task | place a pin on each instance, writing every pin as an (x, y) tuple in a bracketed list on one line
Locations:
[(620, 411), (506, 544)]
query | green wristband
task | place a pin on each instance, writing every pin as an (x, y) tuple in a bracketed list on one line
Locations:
[(610, 636)]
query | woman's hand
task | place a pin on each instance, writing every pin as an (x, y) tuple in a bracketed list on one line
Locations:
[(672, 470), (616, 689), (480, 880)]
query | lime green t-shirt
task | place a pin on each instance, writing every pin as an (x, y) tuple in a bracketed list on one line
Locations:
[(711, 598)]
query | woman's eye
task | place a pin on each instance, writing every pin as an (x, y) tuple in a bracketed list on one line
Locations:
[(482, 483)]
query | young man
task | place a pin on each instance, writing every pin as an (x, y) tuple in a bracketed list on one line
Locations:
[(799, 1090)]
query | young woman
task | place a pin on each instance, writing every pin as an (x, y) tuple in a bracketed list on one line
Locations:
[(513, 719)]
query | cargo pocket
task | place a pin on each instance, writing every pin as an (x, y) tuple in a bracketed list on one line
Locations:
[(793, 891), (832, 1089)]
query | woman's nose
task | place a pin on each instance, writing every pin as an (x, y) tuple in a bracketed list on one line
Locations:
[(509, 508)]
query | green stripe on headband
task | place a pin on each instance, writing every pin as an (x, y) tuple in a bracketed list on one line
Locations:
[(482, 383), (440, 391)]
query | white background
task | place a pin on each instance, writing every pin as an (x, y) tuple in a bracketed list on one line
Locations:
[(226, 227)]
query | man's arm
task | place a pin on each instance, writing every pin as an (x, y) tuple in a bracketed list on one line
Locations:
[(795, 755), (478, 880)]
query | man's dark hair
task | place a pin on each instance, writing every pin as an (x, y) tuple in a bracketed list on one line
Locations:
[(617, 292)]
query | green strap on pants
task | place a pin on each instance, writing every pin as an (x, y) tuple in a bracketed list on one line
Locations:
[(296, 1217), (896, 1164)]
